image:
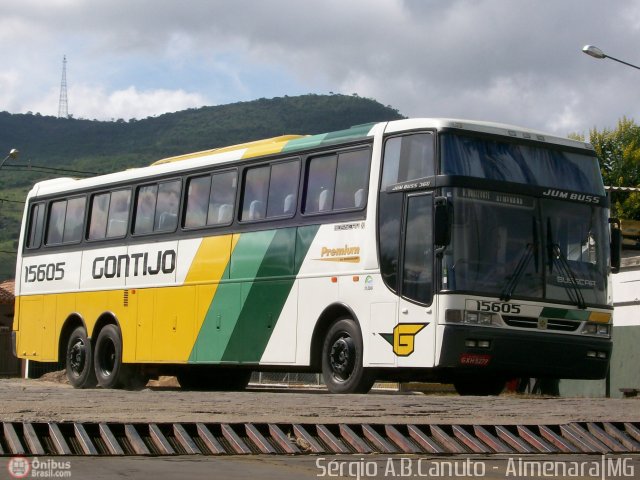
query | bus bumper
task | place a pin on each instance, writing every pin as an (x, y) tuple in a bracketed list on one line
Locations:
[(514, 353)]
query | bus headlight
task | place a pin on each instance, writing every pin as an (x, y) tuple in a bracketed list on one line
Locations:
[(453, 316), (471, 317), (596, 329)]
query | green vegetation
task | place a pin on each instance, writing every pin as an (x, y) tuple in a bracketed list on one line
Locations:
[(619, 154), (103, 147)]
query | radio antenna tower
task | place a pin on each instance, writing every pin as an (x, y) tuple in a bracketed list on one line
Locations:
[(63, 105)]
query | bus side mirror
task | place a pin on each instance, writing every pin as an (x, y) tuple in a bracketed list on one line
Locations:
[(442, 222), (616, 244)]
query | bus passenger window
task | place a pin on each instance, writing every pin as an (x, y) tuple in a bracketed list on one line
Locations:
[(98, 216), (34, 239), (223, 198), (74, 220), (352, 179), (66, 219), (283, 189), (145, 208), (197, 202), (118, 213), (55, 224), (109, 215), (321, 180), (256, 184), (210, 200), (166, 218)]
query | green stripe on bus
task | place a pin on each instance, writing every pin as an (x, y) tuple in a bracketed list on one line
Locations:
[(351, 134), (563, 313), (243, 314)]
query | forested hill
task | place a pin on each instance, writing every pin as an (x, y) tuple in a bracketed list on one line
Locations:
[(102, 147), (107, 146)]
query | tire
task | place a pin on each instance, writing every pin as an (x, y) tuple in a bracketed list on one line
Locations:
[(107, 359), (342, 368), (79, 360), (480, 386), (213, 379)]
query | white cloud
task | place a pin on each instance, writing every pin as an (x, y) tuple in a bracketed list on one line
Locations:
[(92, 102), (518, 62)]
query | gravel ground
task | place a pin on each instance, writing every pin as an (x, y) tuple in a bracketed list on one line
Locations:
[(43, 400)]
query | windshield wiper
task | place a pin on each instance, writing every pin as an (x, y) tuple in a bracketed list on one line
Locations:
[(530, 251), (556, 256), (507, 291)]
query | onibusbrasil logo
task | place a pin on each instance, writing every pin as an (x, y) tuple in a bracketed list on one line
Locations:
[(21, 467)]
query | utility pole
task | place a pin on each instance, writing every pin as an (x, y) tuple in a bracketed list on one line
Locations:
[(63, 105)]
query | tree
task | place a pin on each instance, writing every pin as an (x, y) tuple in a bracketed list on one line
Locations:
[(619, 153)]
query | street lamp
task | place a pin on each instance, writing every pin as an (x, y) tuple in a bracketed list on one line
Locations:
[(595, 52), (13, 154)]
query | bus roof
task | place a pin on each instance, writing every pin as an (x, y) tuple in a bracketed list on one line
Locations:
[(492, 128), (292, 144)]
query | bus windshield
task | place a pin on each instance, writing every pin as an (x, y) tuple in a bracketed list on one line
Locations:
[(520, 163), (507, 246)]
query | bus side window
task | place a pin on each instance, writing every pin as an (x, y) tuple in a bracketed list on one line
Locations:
[(223, 198), (210, 200), (283, 189), (256, 186), (66, 218), (109, 215), (166, 218), (321, 180), (145, 209), (118, 213), (198, 194), (55, 223), (74, 220), (408, 157), (36, 221), (337, 181), (98, 216), (352, 179)]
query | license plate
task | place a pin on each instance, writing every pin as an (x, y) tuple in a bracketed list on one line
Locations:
[(475, 359)]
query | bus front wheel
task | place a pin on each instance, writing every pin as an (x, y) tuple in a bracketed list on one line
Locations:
[(79, 360), (342, 359)]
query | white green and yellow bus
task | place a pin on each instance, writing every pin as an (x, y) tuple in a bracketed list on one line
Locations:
[(421, 249)]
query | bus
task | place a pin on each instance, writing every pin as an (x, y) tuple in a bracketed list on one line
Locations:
[(435, 250)]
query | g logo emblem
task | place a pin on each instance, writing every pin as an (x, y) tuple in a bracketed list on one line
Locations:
[(403, 338)]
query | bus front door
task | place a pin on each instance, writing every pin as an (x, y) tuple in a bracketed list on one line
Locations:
[(414, 337)]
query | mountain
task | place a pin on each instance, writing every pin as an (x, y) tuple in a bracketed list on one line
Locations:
[(100, 147)]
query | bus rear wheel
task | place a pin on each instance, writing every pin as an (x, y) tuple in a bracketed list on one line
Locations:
[(79, 360), (342, 368), (109, 369)]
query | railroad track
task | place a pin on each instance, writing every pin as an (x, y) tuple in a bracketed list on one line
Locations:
[(97, 439)]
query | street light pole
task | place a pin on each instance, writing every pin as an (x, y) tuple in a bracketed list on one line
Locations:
[(595, 52), (13, 154)]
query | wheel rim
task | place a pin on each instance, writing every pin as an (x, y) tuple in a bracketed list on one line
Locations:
[(107, 358), (342, 357), (77, 357)]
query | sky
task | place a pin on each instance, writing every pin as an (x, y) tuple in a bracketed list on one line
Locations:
[(512, 61)]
